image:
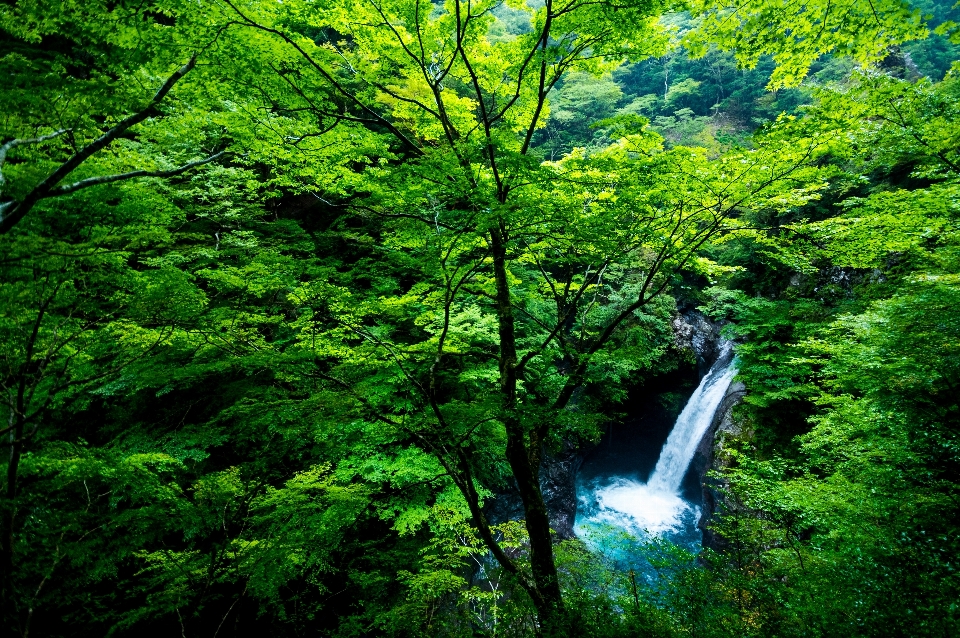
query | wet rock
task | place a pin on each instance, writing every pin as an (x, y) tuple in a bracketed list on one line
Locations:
[(695, 332), (558, 473), (504, 506)]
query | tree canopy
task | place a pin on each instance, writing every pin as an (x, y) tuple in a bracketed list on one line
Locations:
[(290, 292)]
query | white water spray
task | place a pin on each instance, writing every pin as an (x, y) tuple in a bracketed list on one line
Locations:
[(656, 507)]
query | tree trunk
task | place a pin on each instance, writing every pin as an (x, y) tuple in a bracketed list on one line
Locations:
[(523, 454), (8, 606)]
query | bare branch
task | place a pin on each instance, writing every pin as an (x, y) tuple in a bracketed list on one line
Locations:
[(21, 142), (12, 212), (108, 179)]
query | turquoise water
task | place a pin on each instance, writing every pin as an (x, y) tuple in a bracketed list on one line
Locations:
[(636, 490)]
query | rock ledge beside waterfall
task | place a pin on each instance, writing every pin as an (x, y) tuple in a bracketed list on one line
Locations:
[(558, 474)]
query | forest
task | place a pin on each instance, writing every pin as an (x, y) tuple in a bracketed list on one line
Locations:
[(303, 303)]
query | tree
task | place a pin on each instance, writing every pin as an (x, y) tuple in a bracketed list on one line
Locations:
[(532, 281), (501, 297), (73, 317), (575, 108), (77, 99), (796, 35)]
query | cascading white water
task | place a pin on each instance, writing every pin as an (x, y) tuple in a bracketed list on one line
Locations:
[(691, 425), (657, 507)]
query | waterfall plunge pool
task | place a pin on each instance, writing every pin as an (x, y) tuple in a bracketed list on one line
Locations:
[(634, 489)]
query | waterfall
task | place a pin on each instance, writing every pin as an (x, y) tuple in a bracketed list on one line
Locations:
[(691, 425), (657, 507)]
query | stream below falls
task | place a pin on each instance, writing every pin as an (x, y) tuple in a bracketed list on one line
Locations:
[(635, 487)]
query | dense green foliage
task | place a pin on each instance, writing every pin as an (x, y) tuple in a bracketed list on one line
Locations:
[(849, 474), (289, 290)]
